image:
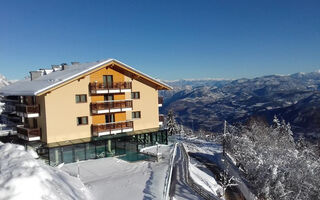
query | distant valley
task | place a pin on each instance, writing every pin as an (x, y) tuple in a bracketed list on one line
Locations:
[(205, 104)]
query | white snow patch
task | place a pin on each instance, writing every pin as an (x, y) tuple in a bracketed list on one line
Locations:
[(206, 181), (114, 178), (23, 177), (155, 150)]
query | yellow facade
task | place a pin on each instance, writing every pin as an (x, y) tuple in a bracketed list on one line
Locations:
[(61, 112), (147, 105)]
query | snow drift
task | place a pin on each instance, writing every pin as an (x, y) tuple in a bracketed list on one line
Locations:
[(24, 177)]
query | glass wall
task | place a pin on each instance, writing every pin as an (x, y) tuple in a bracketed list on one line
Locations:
[(79, 152), (55, 156), (90, 149), (105, 148)]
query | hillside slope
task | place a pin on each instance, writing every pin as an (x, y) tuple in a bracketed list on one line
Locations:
[(294, 98)]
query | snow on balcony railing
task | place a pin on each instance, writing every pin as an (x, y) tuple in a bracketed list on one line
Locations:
[(115, 87), (29, 134), (111, 128), (111, 106)]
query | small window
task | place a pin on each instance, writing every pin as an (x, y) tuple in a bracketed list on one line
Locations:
[(81, 98), (136, 115), (82, 120), (135, 95)]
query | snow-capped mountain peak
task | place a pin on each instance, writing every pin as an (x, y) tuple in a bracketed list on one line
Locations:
[(3, 81)]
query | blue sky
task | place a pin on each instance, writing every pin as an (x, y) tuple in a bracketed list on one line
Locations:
[(165, 39)]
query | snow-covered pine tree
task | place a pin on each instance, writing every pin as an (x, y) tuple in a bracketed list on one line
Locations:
[(171, 124)]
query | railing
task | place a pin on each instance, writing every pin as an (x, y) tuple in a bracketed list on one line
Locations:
[(196, 187), (167, 182), (98, 128), (27, 108), (11, 99), (107, 86), (161, 118), (107, 105), (29, 132), (160, 100)]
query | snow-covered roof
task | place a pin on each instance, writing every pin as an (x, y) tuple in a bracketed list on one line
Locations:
[(46, 82)]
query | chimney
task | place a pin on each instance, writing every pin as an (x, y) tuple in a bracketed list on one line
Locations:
[(64, 66), (56, 67), (75, 63), (36, 74)]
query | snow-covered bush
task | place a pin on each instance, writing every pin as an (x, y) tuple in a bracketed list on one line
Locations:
[(24, 177), (275, 165)]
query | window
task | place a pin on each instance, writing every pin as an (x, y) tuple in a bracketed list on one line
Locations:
[(136, 115), (109, 118), (135, 95), (81, 98), (108, 81), (82, 120)]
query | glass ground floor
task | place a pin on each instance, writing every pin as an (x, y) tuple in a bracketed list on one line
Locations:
[(126, 147)]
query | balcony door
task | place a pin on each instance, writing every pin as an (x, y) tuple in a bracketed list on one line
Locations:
[(110, 118), (108, 81), (108, 97)]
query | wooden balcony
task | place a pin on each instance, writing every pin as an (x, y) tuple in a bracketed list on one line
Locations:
[(28, 111), (112, 128), (111, 106), (117, 87), (14, 99), (160, 101), (29, 134), (161, 120)]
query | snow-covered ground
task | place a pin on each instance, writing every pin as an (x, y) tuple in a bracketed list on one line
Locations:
[(201, 146), (156, 150), (113, 178), (205, 178), (24, 177), (212, 152)]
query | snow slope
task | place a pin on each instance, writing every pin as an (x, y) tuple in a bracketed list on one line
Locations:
[(204, 179), (117, 179), (24, 177)]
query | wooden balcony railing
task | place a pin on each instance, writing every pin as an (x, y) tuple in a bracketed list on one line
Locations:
[(161, 118), (29, 132), (109, 105), (95, 86), (27, 108), (98, 128), (160, 100), (11, 99)]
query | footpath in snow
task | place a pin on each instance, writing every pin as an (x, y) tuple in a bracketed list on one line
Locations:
[(116, 179), (180, 190)]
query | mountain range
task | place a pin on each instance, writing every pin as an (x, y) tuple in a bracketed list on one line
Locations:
[(205, 104)]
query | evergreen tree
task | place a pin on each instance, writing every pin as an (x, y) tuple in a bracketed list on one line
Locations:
[(171, 123)]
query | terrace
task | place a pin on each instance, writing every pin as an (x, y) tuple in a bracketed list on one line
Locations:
[(117, 87), (111, 128), (28, 111), (111, 106), (29, 134)]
